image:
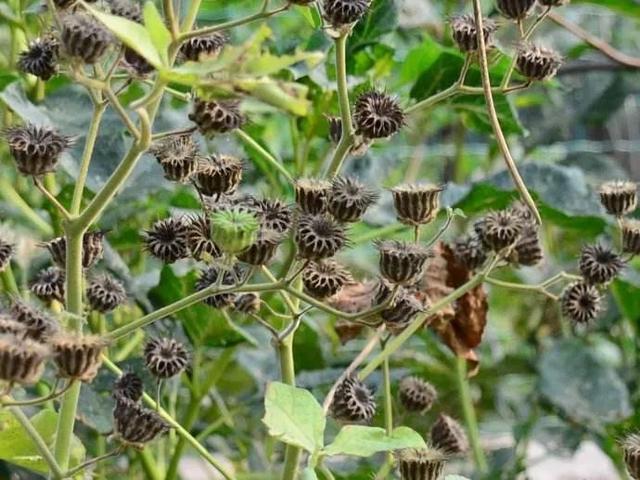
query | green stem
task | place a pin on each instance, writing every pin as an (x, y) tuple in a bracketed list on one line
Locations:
[(287, 371), (149, 465), (271, 160), (192, 14), (9, 281), (470, 415), (9, 193), (388, 402)]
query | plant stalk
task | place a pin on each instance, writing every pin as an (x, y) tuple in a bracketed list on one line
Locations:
[(287, 371), (470, 415)]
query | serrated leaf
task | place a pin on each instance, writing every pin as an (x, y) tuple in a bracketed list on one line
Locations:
[(157, 30), (363, 441), (294, 416)]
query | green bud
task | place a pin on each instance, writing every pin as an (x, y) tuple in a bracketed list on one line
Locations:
[(234, 229)]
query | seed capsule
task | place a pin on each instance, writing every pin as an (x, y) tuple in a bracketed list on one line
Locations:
[(498, 230), (9, 326), (416, 395), (216, 116), (126, 9), (599, 264), (618, 197), (631, 236), (580, 302), (312, 196), (349, 199), (469, 252), (178, 157), (105, 293), (401, 312), (377, 115), (553, 3), (234, 229), (41, 58), (416, 204), (85, 38), (165, 357), (425, 464), (339, 13), (247, 303), (129, 386), (92, 249), (319, 237), (218, 175), (335, 129), (167, 239), (631, 451), (39, 325), (204, 48), (402, 262), (263, 249), (6, 252), (353, 402), (448, 436), (325, 279), (135, 425), (210, 276), (273, 214), (527, 250), (199, 238), (537, 63), (515, 9), (77, 357), (49, 285), (465, 34), (21, 360), (36, 150)]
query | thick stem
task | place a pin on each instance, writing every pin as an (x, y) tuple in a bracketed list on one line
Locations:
[(470, 414), (287, 371), (9, 281)]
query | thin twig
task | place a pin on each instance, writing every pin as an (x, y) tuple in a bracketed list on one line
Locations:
[(51, 197)]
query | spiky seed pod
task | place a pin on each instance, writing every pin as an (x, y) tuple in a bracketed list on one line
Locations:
[(339, 13), (401, 312), (465, 33), (6, 252), (234, 229), (319, 237), (312, 196), (527, 250), (599, 264), (105, 293), (335, 128), (553, 3), (210, 277), (39, 325), (36, 150), (377, 115), (165, 357), (85, 38), (128, 386), (41, 58), (218, 174), (77, 357), (216, 116), (537, 63), (248, 303), (12, 327), (126, 9), (618, 197), (263, 249), (349, 199), (416, 395), (167, 239), (448, 436), (402, 262), (21, 360), (178, 157), (353, 402), (581, 302), (92, 249), (498, 230), (424, 464), (324, 279), (631, 453), (469, 252), (631, 236), (204, 48), (48, 285), (136, 64), (273, 214), (199, 238), (515, 9), (135, 425), (416, 204)]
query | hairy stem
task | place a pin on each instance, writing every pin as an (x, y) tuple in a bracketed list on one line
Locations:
[(470, 414)]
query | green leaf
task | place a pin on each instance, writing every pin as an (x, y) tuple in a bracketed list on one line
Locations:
[(132, 34), (381, 18), (362, 441), (157, 30), (308, 474), (294, 416), (287, 96), (624, 7), (627, 297), (311, 15)]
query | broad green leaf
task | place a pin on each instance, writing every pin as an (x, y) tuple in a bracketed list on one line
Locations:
[(308, 474), (362, 441), (287, 96), (381, 18), (268, 63), (158, 32), (132, 34), (294, 416), (627, 297), (311, 14)]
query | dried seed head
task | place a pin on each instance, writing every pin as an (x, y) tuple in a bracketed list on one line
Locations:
[(618, 197), (325, 279), (377, 115), (49, 285), (335, 128), (248, 303), (353, 402), (41, 58), (515, 9), (448, 436), (92, 249), (273, 214), (85, 38), (234, 229), (136, 64), (424, 464), (312, 196), (339, 13), (36, 150), (6, 252), (135, 425), (105, 293), (216, 116), (631, 236), (218, 174), (416, 395), (465, 33), (10, 326), (402, 262), (167, 239), (210, 277), (77, 357), (178, 157), (553, 3), (165, 357), (39, 325), (263, 249), (527, 250), (537, 63), (319, 237), (349, 199), (581, 302), (199, 238), (347, 330), (599, 264), (21, 360), (204, 48), (416, 204), (631, 452), (401, 312), (498, 230), (469, 252), (128, 386), (126, 9)]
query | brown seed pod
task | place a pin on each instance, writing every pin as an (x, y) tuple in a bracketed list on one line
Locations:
[(349, 199), (377, 115), (581, 302), (325, 279), (416, 395), (21, 360), (273, 214), (77, 357), (448, 436), (353, 402), (218, 175), (199, 238), (128, 386), (165, 357), (469, 252), (136, 64), (105, 293), (401, 312), (464, 31), (216, 116), (339, 13), (527, 250), (631, 452), (312, 196), (498, 230), (41, 58), (537, 63), (210, 276), (204, 48), (84, 37), (425, 464), (599, 264), (39, 325), (553, 3), (416, 204), (335, 129), (167, 239), (262, 251), (92, 249), (319, 237), (6, 252), (126, 9), (515, 9), (631, 236), (36, 150), (48, 285), (135, 425), (618, 197), (402, 262), (247, 303), (178, 157), (10, 326)]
